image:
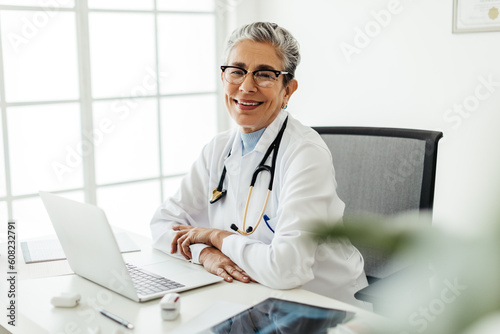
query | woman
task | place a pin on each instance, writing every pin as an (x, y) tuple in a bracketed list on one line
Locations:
[(210, 220)]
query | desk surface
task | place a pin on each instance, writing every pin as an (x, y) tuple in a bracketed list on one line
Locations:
[(35, 314)]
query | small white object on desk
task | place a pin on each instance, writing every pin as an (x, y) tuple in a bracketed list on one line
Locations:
[(170, 305), (67, 299)]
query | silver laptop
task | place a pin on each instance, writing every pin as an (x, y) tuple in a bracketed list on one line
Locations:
[(92, 252)]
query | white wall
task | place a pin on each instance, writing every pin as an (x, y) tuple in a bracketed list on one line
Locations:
[(411, 73)]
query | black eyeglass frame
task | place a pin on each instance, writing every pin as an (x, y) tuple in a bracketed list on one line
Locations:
[(277, 73)]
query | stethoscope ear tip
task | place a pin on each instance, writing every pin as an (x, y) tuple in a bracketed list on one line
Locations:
[(248, 230)]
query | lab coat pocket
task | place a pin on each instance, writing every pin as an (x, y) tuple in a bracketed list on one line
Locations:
[(339, 249)]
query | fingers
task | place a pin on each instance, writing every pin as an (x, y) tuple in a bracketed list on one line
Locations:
[(183, 245), (233, 272), (238, 274), (181, 228), (230, 274), (173, 245), (175, 241), (222, 273), (215, 262)]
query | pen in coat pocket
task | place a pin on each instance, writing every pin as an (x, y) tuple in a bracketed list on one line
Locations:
[(266, 220)]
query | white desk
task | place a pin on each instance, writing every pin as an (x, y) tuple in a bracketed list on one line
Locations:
[(35, 314)]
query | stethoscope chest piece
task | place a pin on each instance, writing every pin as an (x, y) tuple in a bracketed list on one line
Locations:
[(217, 195)]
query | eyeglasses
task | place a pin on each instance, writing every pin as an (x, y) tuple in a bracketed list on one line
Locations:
[(263, 78)]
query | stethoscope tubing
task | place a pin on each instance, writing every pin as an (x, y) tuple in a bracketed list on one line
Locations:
[(250, 230), (218, 193)]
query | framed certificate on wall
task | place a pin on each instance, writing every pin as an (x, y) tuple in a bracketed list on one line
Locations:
[(476, 15)]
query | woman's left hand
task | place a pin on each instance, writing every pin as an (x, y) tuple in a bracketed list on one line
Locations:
[(188, 235)]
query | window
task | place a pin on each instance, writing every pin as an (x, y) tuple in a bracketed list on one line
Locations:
[(103, 101)]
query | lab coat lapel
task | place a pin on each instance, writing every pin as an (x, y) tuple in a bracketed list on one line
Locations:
[(241, 169), (271, 132), (233, 163)]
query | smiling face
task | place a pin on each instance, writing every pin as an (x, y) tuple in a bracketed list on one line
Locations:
[(253, 107)]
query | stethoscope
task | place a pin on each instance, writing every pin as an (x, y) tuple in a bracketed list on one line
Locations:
[(219, 192)]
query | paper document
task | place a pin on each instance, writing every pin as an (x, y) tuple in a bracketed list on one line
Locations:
[(50, 249)]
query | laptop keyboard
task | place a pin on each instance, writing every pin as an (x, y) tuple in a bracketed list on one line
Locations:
[(147, 283)]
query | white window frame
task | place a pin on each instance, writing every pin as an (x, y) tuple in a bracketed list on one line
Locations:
[(81, 10)]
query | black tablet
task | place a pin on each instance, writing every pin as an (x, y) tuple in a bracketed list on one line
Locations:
[(281, 316)]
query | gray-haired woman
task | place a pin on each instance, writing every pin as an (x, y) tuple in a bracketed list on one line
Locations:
[(246, 209)]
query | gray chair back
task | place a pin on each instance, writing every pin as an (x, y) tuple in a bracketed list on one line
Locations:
[(382, 171)]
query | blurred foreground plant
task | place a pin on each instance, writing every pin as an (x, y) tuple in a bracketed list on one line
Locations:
[(452, 284)]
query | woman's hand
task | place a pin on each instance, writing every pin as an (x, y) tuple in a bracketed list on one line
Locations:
[(173, 245), (215, 262), (188, 235)]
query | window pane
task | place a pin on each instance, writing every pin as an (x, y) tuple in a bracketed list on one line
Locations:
[(3, 186), (186, 53), (122, 54), (121, 4), (45, 148), (130, 206), (126, 140), (49, 5), (181, 5), (40, 60), (32, 218), (187, 124)]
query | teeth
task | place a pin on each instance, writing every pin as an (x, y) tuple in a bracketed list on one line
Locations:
[(249, 103)]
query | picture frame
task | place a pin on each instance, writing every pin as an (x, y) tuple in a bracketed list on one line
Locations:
[(476, 16)]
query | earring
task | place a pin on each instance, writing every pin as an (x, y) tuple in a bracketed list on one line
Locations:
[(286, 105)]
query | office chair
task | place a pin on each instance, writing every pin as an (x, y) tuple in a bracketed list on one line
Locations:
[(382, 172)]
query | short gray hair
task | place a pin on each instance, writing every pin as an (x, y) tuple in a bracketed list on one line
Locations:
[(286, 45)]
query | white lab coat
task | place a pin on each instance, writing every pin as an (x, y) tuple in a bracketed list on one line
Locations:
[(303, 196)]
